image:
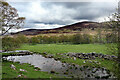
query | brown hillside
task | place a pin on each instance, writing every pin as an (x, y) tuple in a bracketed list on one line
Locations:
[(65, 29)]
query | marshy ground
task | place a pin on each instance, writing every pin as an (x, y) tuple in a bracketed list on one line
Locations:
[(59, 60)]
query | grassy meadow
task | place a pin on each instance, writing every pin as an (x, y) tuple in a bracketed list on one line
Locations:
[(81, 48), (55, 49), (60, 42), (65, 48), (30, 70), (57, 45)]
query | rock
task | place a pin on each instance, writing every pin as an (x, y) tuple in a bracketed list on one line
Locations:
[(13, 67), (74, 58), (52, 71), (57, 58), (94, 70), (96, 55), (23, 70), (84, 61), (65, 53), (70, 67), (73, 64), (67, 70), (90, 61), (72, 76), (63, 64), (19, 76), (22, 51), (93, 57), (81, 69), (58, 53), (45, 53), (49, 56), (1, 51), (93, 53), (105, 77), (88, 54), (71, 54), (64, 56), (76, 68), (86, 57), (114, 57), (100, 54), (66, 73), (88, 75), (78, 54), (36, 70), (9, 52), (96, 61), (98, 77), (108, 72)]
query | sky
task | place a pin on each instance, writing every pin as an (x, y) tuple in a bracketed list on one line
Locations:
[(54, 14)]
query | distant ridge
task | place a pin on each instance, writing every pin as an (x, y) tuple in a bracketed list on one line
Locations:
[(73, 27), (81, 25)]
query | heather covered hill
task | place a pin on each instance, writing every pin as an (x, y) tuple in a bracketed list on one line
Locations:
[(81, 25), (65, 29)]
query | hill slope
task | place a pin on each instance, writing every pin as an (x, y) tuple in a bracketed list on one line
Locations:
[(65, 29)]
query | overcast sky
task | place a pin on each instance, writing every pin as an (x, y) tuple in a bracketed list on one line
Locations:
[(46, 15)]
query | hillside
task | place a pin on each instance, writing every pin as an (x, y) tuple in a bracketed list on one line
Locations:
[(65, 29)]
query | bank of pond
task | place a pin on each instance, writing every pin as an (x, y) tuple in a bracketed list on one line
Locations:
[(91, 65)]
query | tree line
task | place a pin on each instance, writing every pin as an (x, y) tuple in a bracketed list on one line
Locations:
[(11, 43)]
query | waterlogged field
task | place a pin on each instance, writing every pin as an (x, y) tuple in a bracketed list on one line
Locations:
[(57, 51)]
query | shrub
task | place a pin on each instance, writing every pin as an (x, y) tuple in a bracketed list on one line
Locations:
[(86, 39), (34, 40), (63, 39), (77, 39), (111, 38), (9, 43), (22, 38)]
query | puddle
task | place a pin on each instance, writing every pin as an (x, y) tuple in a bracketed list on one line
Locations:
[(52, 66)]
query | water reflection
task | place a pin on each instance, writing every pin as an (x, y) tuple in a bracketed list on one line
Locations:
[(53, 66)]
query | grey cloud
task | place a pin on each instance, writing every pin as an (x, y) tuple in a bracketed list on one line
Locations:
[(67, 4), (62, 13), (87, 10)]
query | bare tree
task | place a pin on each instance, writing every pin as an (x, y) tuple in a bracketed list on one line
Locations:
[(9, 18)]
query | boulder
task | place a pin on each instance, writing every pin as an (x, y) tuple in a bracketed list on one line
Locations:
[(23, 70), (49, 56), (12, 66), (45, 53), (52, 71), (71, 54)]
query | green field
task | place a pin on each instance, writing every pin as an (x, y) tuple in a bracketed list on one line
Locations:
[(65, 48), (62, 48), (7, 72)]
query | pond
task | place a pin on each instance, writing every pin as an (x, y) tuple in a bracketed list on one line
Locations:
[(52, 66)]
